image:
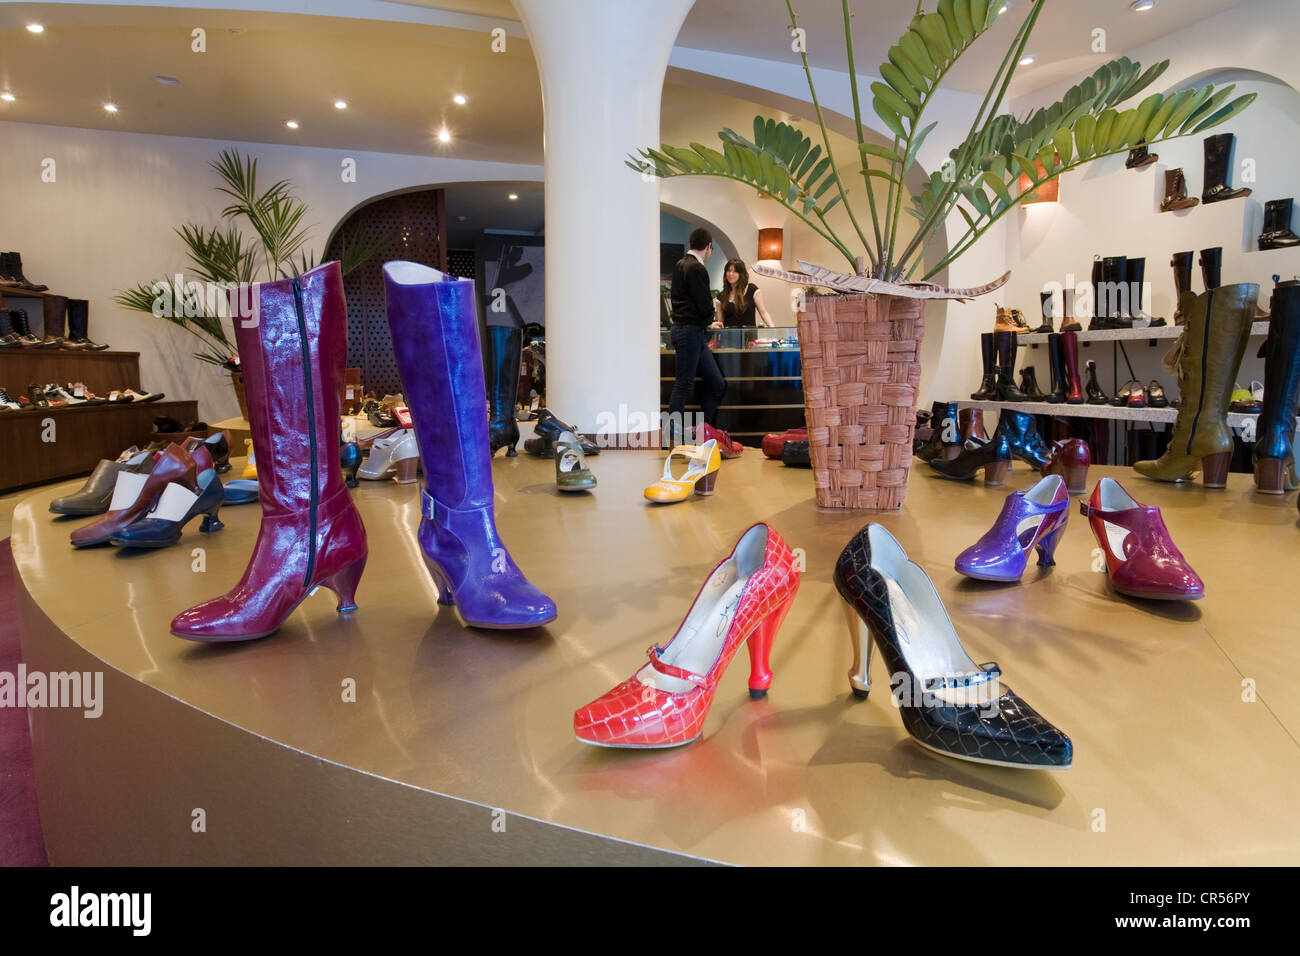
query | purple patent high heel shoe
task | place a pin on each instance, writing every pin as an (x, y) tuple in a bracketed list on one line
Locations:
[(1030, 519)]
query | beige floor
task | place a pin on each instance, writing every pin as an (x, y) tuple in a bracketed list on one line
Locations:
[(1175, 762)]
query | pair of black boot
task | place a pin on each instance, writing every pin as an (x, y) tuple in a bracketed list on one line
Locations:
[(1119, 285), (998, 353)]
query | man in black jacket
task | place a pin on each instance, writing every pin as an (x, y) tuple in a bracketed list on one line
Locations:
[(693, 313)]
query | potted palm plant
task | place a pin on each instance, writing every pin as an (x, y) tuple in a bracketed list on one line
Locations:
[(860, 347), (221, 257)]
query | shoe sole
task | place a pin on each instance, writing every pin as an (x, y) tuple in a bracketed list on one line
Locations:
[(993, 763), (608, 746)]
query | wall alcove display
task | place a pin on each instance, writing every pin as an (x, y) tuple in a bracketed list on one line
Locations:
[(412, 226)]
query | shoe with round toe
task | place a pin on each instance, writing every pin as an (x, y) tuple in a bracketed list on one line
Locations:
[(1029, 519), (547, 428), (94, 496), (396, 456), (699, 478), (1141, 558), (775, 441), (665, 703), (948, 703), (144, 396), (571, 472), (726, 447), (176, 507)]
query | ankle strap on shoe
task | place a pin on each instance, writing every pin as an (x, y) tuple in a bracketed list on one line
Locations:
[(655, 652)]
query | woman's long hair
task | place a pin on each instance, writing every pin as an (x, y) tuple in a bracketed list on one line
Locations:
[(735, 294)]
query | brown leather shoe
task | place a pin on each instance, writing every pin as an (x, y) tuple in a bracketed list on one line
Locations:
[(1011, 320), (174, 464)]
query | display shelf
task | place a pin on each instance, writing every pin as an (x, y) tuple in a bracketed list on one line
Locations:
[(1115, 412), (1130, 335), (101, 372)]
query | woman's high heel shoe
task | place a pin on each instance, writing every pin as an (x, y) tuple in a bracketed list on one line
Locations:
[(949, 704), (1141, 557), (1071, 459), (571, 472), (1029, 519), (176, 507), (395, 456), (993, 456), (700, 476), (665, 703), (350, 461)]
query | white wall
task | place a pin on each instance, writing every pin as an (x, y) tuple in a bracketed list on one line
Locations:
[(106, 223)]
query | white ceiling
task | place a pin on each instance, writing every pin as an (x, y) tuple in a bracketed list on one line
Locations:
[(261, 69)]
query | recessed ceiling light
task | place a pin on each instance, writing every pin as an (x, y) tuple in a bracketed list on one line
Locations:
[(35, 28), (1028, 60), (513, 196), (166, 80), (340, 104), (444, 135), (7, 96), (459, 99), (1142, 6), (292, 124), (110, 107)]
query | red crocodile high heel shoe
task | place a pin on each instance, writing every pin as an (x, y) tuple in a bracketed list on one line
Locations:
[(1141, 558), (665, 703), (311, 533)]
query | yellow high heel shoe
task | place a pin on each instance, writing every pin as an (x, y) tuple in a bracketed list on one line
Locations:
[(700, 476), (250, 469)]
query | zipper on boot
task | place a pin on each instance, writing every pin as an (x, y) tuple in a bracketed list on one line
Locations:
[(311, 427)]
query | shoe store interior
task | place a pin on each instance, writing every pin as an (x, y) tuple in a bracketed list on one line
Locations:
[(387, 377)]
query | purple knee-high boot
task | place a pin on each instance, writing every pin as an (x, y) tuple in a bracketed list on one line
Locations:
[(435, 336)]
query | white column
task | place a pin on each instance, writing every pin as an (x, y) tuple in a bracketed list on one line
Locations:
[(602, 68)]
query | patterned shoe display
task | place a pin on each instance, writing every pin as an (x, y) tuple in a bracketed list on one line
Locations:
[(949, 704), (665, 703), (1141, 557)]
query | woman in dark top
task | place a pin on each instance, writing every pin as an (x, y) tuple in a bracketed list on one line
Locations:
[(740, 300)]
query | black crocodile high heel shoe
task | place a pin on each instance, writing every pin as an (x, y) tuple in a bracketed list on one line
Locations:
[(994, 456), (949, 704)]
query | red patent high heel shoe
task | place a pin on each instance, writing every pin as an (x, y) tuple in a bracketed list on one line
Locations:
[(665, 703), (1141, 558)]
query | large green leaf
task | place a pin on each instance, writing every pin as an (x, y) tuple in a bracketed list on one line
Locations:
[(1227, 112)]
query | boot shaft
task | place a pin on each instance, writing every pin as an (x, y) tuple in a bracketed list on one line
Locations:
[(1070, 359), (1218, 169), (434, 322), (1212, 267), (1275, 431), (78, 318), (1277, 233)]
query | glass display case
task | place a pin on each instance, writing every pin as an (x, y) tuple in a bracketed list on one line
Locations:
[(764, 380)]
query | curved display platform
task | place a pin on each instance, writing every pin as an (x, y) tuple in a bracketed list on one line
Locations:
[(459, 747)]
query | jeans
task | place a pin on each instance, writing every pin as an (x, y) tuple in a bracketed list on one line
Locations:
[(694, 358)]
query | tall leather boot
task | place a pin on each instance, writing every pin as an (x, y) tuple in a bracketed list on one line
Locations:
[(434, 323), (8, 332), (505, 352), (1182, 266), (970, 423), (1007, 391), (1176, 197), (1045, 298), (945, 438), (11, 268), (1212, 267), (1021, 432), (1275, 471), (293, 362), (1068, 322), (1218, 169), (1137, 274), (1114, 270), (1277, 233), (1100, 315), (22, 328), (1214, 343), (988, 390), (1070, 356), (79, 327), (53, 310), (1056, 364)]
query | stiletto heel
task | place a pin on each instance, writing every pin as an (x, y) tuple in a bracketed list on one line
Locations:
[(211, 523), (1214, 469), (344, 583), (863, 645), (406, 469), (995, 473), (665, 703), (760, 651), (705, 485)]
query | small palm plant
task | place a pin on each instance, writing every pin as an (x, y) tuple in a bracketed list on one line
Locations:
[(980, 178), (223, 257)]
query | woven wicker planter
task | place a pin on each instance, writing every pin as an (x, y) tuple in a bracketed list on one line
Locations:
[(861, 375)]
